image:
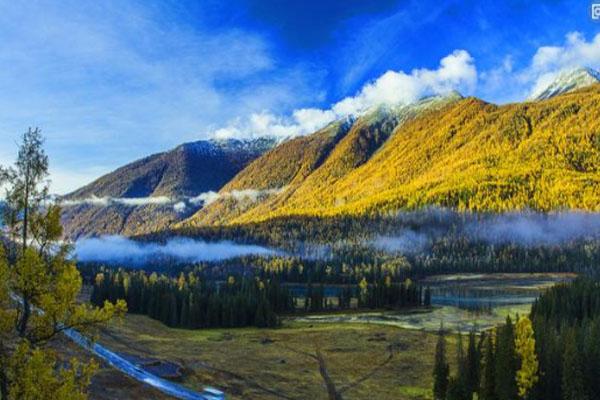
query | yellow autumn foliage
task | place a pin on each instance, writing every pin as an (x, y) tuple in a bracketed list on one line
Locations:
[(527, 375), (467, 155)]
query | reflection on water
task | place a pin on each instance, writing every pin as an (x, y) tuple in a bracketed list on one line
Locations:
[(485, 292), (462, 302)]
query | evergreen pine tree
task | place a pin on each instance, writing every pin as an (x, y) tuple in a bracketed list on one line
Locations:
[(572, 377), (506, 363), (488, 377), (441, 369), (472, 364)]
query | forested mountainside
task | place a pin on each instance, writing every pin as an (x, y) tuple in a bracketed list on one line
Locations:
[(469, 155), (445, 151), (322, 158), (287, 164), (141, 196)]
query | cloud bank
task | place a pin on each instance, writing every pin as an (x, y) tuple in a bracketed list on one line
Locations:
[(456, 71), (239, 195), (406, 242), (118, 249), (126, 201), (533, 229)]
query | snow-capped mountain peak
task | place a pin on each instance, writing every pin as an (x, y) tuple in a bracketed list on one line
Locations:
[(567, 81)]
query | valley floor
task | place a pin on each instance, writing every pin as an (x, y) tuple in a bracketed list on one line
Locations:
[(360, 354), (298, 361)]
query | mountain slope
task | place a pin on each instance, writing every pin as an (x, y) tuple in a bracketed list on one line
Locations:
[(470, 155), (284, 166), (187, 170), (141, 196), (354, 145)]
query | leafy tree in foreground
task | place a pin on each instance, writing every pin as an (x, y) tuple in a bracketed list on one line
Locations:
[(527, 375), (39, 284)]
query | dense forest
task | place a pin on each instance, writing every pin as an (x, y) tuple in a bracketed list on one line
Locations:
[(192, 301), (344, 251), (552, 354), (432, 241)]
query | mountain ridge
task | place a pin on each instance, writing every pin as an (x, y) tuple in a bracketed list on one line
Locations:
[(568, 80), (471, 155), (185, 171), (447, 151)]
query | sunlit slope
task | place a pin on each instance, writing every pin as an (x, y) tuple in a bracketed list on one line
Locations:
[(362, 142), (471, 156), (284, 166), (318, 160)]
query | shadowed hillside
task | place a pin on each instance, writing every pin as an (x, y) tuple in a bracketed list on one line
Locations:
[(186, 171)]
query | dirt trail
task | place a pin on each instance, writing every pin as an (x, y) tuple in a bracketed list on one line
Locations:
[(332, 391)]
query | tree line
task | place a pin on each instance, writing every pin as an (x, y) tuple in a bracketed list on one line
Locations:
[(552, 354), (193, 301), (348, 264)]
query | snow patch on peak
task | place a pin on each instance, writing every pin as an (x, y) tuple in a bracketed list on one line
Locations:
[(228, 145), (567, 81)]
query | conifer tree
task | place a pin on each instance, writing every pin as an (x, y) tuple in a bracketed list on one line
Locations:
[(506, 362), (488, 377), (572, 377), (441, 369), (472, 364)]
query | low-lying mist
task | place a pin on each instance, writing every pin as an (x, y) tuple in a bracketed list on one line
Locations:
[(179, 204), (119, 249), (535, 229), (527, 229)]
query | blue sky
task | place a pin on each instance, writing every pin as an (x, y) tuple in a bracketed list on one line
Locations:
[(112, 81)]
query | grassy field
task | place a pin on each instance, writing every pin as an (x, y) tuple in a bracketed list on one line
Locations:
[(454, 318), (361, 355), (298, 361)]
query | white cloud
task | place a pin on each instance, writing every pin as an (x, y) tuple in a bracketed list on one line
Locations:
[(548, 61), (127, 201), (456, 71), (179, 207), (205, 198), (179, 204), (575, 52), (311, 119), (544, 66), (239, 195)]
